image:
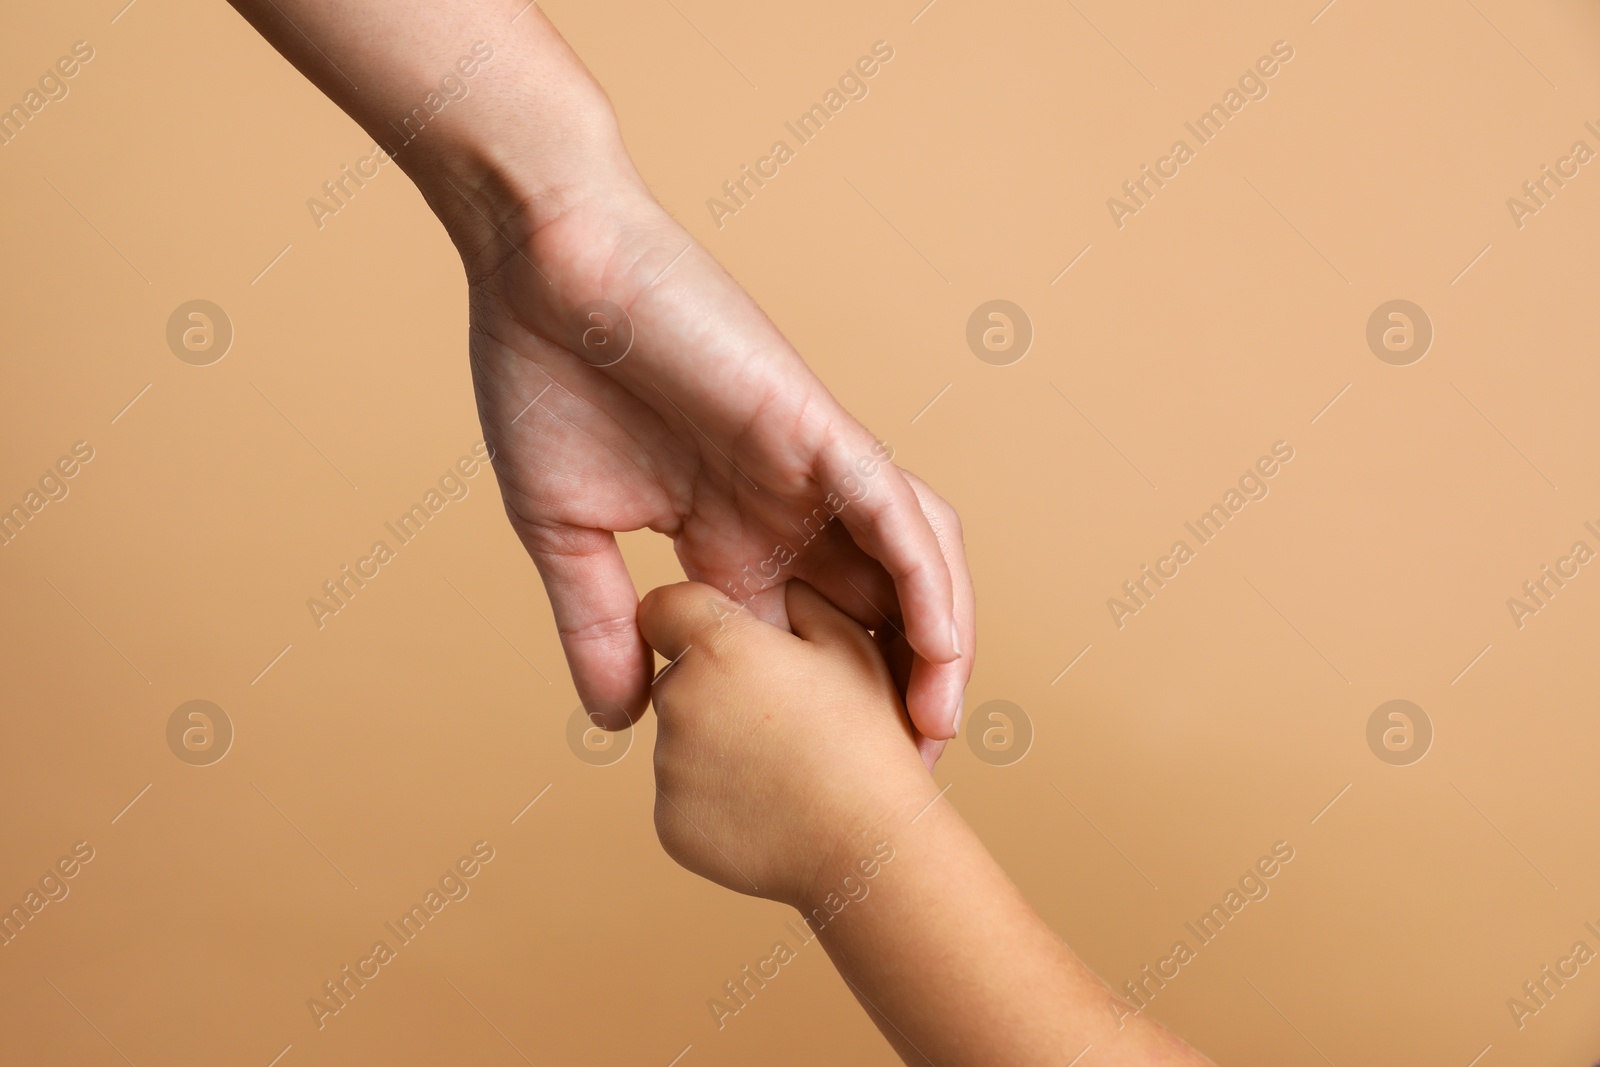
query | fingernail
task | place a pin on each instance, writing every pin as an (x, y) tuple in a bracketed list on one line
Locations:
[(955, 722), (955, 638)]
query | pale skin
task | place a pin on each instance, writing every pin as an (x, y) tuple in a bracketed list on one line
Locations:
[(785, 759), (711, 430)]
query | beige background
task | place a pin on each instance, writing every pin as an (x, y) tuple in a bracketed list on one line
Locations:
[(1224, 717)]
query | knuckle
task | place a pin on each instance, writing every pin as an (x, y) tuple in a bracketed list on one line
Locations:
[(945, 519), (540, 535), (611, 630), (941, 516)]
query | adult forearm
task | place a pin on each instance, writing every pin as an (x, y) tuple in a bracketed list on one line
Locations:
[(487, 109)]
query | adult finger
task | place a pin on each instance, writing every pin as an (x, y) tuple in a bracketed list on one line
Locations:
[(898, 655), (595, 606), (842, 571), (839, 569), (935, 691), (888, 522)]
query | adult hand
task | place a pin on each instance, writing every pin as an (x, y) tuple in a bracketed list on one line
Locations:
[(708, 428)]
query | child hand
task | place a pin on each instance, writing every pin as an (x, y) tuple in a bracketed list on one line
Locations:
[(784, 761), (777, 754)]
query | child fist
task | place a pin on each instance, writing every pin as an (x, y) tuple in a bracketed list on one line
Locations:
[(777, 754)]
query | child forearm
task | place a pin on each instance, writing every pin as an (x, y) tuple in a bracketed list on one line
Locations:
[(797, 749), (955, 968)]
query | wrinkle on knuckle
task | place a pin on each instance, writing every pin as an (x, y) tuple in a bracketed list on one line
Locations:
[(946, 520), (611, 628), (547, 537)]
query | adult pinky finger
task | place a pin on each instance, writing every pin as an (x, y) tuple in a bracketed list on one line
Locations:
[(596, 612), (887, 521), (934, 691)]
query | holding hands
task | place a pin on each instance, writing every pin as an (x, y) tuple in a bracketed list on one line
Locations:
[(708, 428), (687, 412), (781, 758), (626, 382), (786, 768)]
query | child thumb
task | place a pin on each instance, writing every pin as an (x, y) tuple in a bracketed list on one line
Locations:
[(674, 617), (814, 619)]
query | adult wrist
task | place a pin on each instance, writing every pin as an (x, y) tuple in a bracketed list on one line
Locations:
[(494, 184), (512, 135)]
